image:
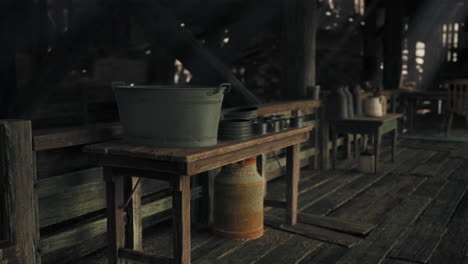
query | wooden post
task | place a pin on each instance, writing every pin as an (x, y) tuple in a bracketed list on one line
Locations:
[(370, 69), (18, 202), (299, 47), (292, 182), (393, 37), (8, 90)]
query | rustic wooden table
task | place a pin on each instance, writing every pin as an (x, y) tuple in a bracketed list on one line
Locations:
[(411, 100), (123, 163), (373, 126)]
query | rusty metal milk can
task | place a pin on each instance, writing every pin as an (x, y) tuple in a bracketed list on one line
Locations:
[(238, 201)]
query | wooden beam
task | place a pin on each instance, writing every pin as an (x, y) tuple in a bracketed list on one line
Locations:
[(8, 90), (393, 41), (299, 47), (18, 203), (371, 67), (157, 20)]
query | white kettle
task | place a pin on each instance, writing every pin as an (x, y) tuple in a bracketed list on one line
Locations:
[(373, 106)]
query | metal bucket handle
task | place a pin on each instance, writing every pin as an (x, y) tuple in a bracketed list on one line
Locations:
[(227, 88)]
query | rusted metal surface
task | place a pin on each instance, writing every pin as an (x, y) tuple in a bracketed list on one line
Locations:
[(238, 209)]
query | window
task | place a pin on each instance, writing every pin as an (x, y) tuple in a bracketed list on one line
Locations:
[(359, 7), (450, 36)]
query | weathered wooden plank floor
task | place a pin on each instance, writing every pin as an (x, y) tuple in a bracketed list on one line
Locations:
[(419, 206)]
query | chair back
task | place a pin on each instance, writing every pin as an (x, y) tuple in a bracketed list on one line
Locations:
[(457, 101)]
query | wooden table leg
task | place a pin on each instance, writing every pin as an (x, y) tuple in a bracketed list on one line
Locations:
[(365, 139), (356, 146), (377, 140), (348, 146), (292, 182), (181, 219), (133, 238), (333, 133), (261, 168), (206, 202), (411, 114), (394, 143), (115, 214)]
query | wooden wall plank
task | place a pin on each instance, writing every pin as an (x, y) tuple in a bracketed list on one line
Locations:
[(81, 179), (59, 138), (59, 161), (60, 207), (77, 235), (65, 182)]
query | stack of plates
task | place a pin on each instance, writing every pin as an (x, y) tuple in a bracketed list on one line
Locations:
[(235, 129), (249, 113)]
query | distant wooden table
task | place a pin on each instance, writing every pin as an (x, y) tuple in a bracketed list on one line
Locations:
[(373, 126), (411, 100), (123, 162)]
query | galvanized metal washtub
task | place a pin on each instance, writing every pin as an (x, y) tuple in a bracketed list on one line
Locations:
[(170, 116), (238, 201)]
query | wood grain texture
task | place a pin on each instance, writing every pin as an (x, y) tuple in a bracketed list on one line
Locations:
[(325, 254), (191, 154), (292, 251), (337, 224), (18, 202), (45, 139), (250, 251), (55, 162), (382, 240), (140, 257), (79, 201), (314, 232), (420, 244), (222, 159), (68, 181)]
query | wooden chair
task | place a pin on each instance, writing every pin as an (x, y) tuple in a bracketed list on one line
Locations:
[(457, 101)]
